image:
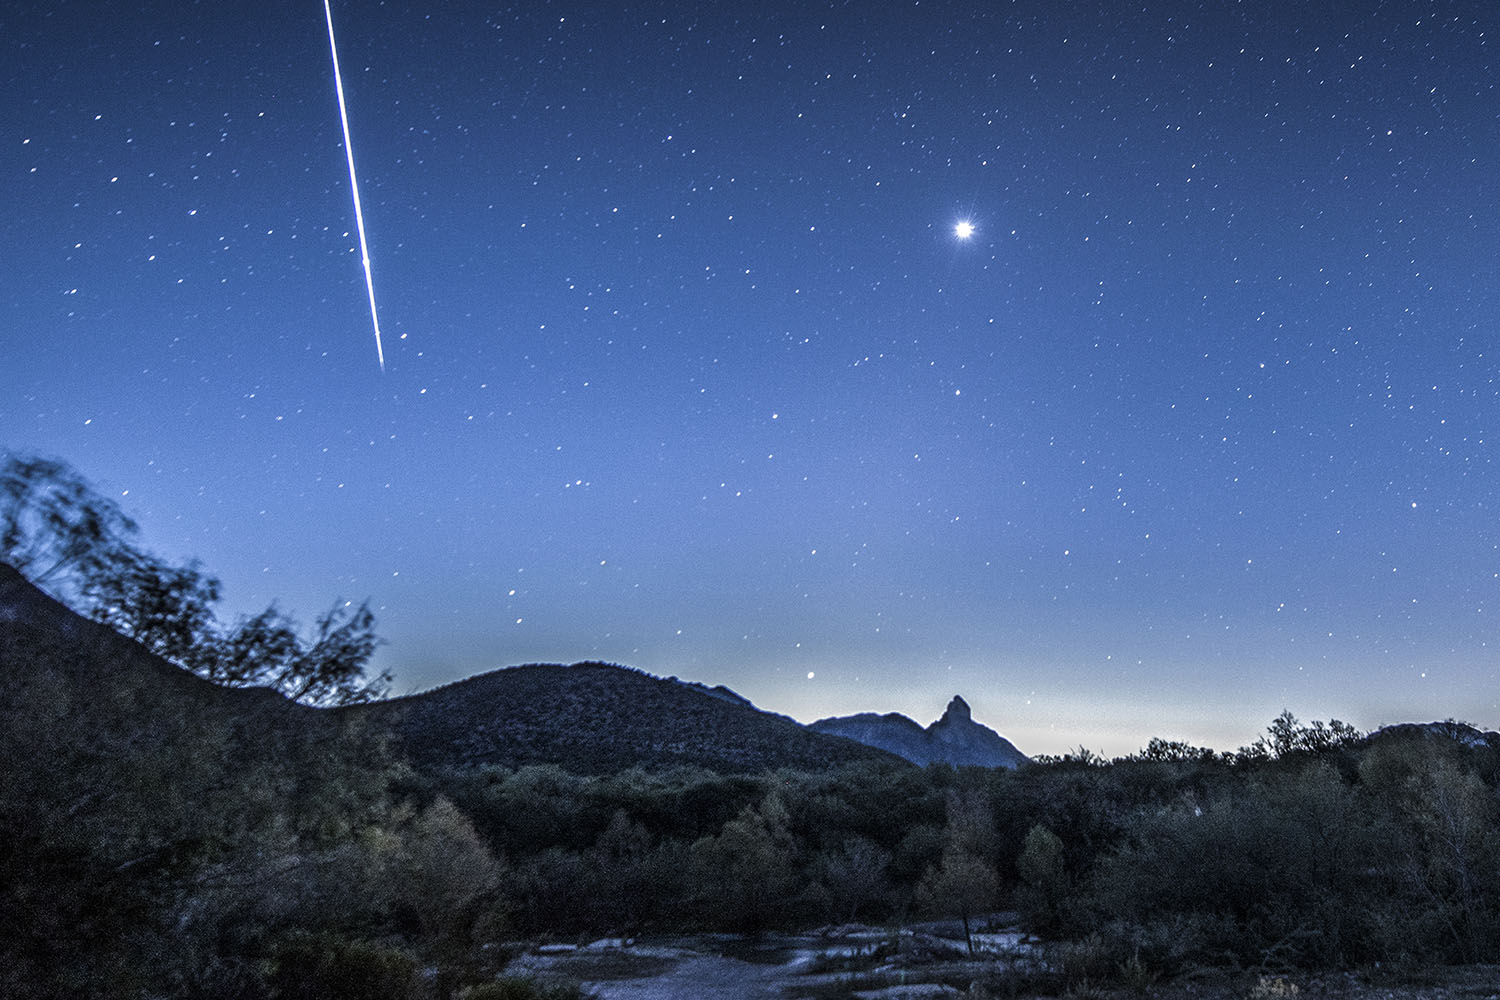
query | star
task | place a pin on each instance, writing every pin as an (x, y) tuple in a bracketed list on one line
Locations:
[(964, 229)]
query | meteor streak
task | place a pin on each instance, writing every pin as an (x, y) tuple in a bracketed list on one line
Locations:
[(359, 215)]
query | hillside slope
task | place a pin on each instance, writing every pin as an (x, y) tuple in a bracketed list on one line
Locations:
[(95, 668), (595, 718)]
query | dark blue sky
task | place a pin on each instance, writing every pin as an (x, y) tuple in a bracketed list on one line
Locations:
[(688, 370)]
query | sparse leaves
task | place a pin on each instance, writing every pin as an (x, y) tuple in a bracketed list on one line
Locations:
[(59, 531), (168, 609), (54, 526), (1286, 735)]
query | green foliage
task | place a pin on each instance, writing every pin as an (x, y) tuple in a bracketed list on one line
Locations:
[(1447, 842), (919, 849), (964, 881), (1082, 961), (1136, 975), (961, 884), (441, 877), (635, 879), (545, 894), (1282, 867), (855, 876), (156, 830)]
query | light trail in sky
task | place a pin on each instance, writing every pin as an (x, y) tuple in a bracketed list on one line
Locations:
[(359, 215)]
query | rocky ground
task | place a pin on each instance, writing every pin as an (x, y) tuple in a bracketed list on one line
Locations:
[(927, 962)]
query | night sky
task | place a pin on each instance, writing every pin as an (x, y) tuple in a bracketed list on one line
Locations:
[(689, 368)]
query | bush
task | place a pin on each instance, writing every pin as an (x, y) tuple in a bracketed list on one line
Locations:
[(525, 988), (1289, 871), (330, 967), (1044, 883)]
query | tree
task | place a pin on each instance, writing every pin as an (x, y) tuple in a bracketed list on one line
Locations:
[(1044, 881), (748, 869), (329, 669), (962, 881), (631, 876), (965, 878), (1447, 858), (856, 875), (1285, 735), (61, 533), (441, 875), (55, 527), (1289, 866), (168, 609), (1173, 752)]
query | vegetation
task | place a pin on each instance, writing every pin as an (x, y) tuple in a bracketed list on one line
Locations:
[(162, 836), (68, 538)]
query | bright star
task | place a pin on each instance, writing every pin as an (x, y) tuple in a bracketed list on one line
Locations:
[(964, 229)]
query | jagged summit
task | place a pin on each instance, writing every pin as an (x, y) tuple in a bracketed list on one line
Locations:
[(953, 739), (957, 711)]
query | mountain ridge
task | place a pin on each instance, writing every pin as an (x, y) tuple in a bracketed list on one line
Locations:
[(593, 718), (587, 718), (954, 739)]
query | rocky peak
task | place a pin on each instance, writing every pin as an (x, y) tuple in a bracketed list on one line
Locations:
[(958, 711), (954, 739)]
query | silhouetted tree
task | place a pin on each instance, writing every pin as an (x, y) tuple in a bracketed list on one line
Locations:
[(328, 669), (61, 533), (168, 609), (55, 527), (747, 871), (856, 876), (1044, 882), (1285, 735)]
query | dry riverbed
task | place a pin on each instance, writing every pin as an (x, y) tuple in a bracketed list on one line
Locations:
[(916, 963)]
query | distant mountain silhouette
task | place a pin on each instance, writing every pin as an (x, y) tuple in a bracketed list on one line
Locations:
[(589, 718), (954, 739), (596, 718)]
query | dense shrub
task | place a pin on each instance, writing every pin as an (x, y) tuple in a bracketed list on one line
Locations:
[(1285, 870), (524, 988), (329, 967)]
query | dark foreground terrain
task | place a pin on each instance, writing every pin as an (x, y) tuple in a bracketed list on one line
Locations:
[(162, 837)]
